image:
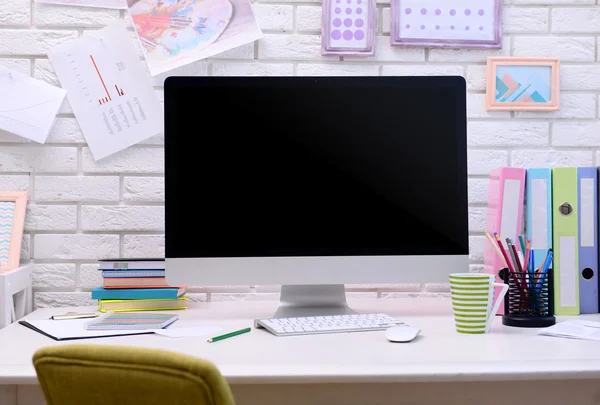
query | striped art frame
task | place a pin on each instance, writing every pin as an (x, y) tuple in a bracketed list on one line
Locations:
[(12, 220)]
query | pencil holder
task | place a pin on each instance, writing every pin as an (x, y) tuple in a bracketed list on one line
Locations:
[(529, 302)]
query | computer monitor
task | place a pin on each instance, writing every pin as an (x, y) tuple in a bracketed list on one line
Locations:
[(313, 183)]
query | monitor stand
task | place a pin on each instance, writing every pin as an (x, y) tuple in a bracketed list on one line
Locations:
[(312, 300)]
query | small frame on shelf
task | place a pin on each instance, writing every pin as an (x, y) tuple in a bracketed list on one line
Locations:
[(446, 24), (348, 27), (12, 220), (522, 84)]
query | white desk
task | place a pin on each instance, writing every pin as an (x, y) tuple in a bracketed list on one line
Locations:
[(440, 367)]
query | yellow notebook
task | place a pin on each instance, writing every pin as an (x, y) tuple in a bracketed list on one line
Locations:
[(142, 305)]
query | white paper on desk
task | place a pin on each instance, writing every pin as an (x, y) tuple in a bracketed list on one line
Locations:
[(574, 329), (75, 329), (119, 4), (28, 107), (109, 90), (188, 332)]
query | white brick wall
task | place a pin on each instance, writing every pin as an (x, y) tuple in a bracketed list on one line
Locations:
[(81, 210)]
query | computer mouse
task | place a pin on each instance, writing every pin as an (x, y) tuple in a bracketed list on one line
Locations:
[(401, 334)]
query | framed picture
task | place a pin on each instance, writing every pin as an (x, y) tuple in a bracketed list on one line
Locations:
[(447, 23), (525, 84), (12, 220), (348, 27)]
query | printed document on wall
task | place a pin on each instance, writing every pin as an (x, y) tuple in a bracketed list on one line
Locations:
[(109, 90), (118, 4), (28, 107), (174, 33)]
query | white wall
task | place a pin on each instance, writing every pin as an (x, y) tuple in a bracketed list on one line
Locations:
[(81, 210)]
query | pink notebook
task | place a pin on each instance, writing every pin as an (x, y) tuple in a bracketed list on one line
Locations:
[(505, 214)]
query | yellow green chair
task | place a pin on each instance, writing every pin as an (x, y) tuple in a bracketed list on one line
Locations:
[(116, 375)]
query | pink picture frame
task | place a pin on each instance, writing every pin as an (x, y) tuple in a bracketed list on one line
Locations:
[(13, 205), (522, 84), (348, 27), (444, 24)]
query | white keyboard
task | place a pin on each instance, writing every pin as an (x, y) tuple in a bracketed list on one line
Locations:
[(311, 325)]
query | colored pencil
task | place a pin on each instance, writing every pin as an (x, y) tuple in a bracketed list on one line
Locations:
[(522, 243), (521, 260), (517, 264), (527, 253), (545, 267), (532, 267), (539, 270), (228, 335), (515, 256), (501, 247), (496, 248)]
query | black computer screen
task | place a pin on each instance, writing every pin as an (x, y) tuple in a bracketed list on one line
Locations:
[(305, 166)]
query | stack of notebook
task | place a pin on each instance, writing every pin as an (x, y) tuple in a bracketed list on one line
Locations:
[(136, 285)]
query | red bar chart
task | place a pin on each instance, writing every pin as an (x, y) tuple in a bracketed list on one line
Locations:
[(120, 91), (107, 99)]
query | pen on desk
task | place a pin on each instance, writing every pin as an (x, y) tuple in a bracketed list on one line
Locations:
[(72, 315), (228, 335)]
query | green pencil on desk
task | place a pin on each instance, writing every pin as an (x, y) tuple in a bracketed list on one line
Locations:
[(228, 335)]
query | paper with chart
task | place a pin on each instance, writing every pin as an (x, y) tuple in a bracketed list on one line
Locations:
[(119, 4), (28, 107), (109, 90)]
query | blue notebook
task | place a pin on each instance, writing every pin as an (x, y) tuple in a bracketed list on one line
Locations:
[(100, 293), (131, 321)]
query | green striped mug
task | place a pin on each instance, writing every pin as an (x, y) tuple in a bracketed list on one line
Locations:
[(473, 301)]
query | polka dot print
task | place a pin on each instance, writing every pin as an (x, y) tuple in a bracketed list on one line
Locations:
[(425, 18), (348, 24)]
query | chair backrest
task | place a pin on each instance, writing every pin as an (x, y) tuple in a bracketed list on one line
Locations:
[(85, 374)]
